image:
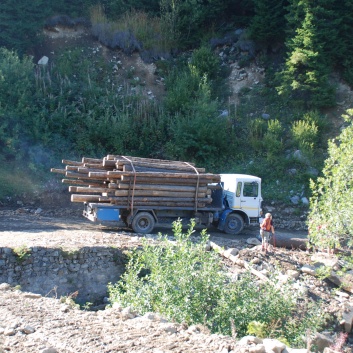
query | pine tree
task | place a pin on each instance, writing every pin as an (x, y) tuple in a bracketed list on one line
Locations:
[(268, 23), (20, 23), (344, 53), (305, 75)]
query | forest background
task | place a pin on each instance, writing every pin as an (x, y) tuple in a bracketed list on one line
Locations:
[(74, 106)]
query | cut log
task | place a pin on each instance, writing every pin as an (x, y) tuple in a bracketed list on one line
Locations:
[(85, 198), (139, 169), (204, 176), (59, 171), (81, 176), (175, 194), (162, 181), (66, 161), (181, 205), (239, 262), (127, 166), (93, 190), (149, 160), (108, 163), (180, 188), (91, 160), (161, 199), (81, 182), (93, 165)]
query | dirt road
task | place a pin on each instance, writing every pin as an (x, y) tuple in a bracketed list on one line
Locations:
[(64, 228)]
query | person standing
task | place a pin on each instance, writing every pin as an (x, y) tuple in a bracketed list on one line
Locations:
[(266, 228)]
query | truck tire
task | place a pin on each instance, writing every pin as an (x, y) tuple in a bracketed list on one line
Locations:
[(234, 224), (143, 222)]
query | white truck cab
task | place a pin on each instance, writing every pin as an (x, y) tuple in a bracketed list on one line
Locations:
[(242, 198)]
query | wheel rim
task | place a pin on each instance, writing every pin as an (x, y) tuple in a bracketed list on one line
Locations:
[(143, 223), (233, 224)]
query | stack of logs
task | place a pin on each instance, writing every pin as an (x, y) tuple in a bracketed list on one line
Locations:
[(132, 181)]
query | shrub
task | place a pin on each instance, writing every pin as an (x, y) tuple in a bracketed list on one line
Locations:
[(205, 62), (273, 140), (331, 208), (304, 135), (257, 128), (184, 282)]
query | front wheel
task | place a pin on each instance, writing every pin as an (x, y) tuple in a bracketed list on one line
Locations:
[(234, 224), (143, 222)]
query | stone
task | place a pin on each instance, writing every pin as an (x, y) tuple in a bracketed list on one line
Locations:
[(282, 278), (28, 329), (253, 241), (249, 339), (9, 331), (308, 269), (117, 306), (329, 350), (259, 348), (295, 200), (49, 350), (273, 345), (43, 60), (324, 259), (305, 201), (298, 155), (322, 341), (32, 295), (231, 251), (38, 211), (347, 317), (5, 286), (293, 274), (170, 328), (150, 316)]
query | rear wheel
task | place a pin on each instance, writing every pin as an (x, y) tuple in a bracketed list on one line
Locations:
[(143, 222), (234, 224)]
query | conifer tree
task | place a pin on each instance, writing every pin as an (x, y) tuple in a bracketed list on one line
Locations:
[(305, 76), (344, 9), (268, 23), (20, 22)]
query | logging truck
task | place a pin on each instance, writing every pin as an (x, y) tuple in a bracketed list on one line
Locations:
[(236, 202), (142, 193)]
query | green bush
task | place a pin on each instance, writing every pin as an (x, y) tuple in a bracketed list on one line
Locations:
[(184, 282), (331, 208), (257, 128), (304, 135), (273, 140), (205, 62)]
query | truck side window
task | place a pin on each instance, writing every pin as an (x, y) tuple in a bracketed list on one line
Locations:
[(251, 189), (238, 193)]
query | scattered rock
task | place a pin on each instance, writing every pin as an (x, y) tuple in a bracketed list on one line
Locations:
[(347, 318), (253, 241), (322, 341), (43, 61)]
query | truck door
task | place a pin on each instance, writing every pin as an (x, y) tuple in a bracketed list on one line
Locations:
[(250, 197)]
